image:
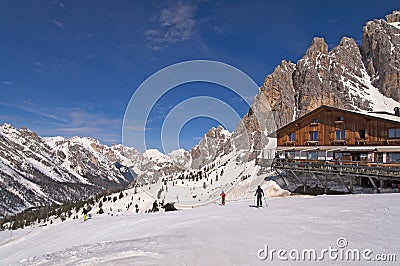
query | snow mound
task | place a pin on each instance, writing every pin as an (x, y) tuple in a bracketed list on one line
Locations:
[(272, 189), (155, 155)]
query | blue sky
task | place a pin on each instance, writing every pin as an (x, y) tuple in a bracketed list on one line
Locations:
[(70, 67)]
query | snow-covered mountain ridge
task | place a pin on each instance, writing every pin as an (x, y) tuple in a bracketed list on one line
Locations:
[(36, 171)]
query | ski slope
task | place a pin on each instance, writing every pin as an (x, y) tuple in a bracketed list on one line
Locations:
[(213, 234)]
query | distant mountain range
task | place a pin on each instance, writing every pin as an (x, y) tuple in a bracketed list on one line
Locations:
[(36, 171)]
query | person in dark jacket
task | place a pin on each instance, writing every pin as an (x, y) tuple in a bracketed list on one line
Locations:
[(155, 206), (85, 213), (259, 194)]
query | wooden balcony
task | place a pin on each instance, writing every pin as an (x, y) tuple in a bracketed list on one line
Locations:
[(393, 141), (290, 143), (339, 142), (312, 142), (360, 141), (314, 124)]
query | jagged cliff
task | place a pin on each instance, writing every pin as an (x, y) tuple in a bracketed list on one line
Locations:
[(348, 76), (381, 54)]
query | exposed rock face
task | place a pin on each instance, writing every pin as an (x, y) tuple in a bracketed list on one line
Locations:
[(381, 53), (279, 90), (394, 17), (340, 77), (217, 142)]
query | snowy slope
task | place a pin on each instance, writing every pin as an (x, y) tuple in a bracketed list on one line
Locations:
[(214, 235), (155, 155)]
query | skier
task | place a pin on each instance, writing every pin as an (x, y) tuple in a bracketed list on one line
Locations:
[(137, 208), (85, 212), (155, 206), (259, 194), (223, 195)]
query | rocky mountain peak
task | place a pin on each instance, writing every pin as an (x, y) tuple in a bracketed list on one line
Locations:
[(6, 128), (348, 76), (216, 142), (218, 132), (394, 17), (318, 46), (347, 54), (380, 50)]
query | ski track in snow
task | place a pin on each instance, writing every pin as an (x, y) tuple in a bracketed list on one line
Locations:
[(212, 235)]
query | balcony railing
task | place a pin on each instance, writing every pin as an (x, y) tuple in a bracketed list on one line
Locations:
[(312, 142), (339, 142), (290, 143)]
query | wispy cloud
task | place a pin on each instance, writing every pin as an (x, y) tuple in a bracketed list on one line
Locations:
[(58, 23), (67, 122), (174, 24), (56, 64), (78, 121), (31, 108), (58, 3), (8, 83)]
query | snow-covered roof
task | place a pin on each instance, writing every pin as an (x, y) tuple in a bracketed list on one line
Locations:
[(381, 115)]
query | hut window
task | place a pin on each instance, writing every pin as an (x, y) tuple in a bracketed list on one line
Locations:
[(340, 134), (361, 133), (292, 136), (312, 155), (394, 133), (394, 157), (314, 135), (289, 155)]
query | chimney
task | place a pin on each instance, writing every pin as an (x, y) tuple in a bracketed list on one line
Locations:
[(397, 111)]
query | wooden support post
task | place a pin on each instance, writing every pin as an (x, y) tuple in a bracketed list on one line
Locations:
[(281, 176), (298, 179), (316, 177), (373, 183), (348, 189), (326, 179), (351, 185), (305, 185)]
